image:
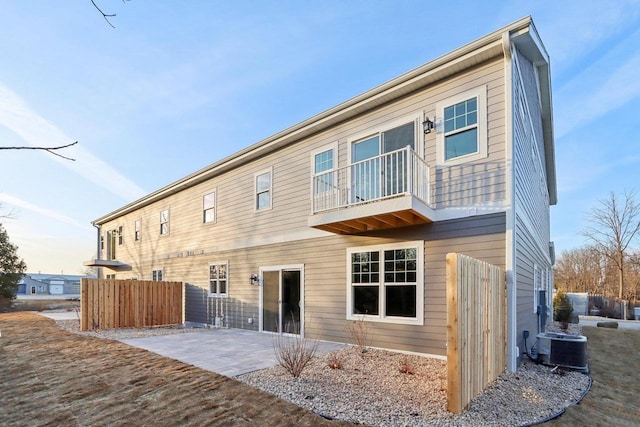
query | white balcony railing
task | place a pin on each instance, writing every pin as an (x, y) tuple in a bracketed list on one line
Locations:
[(399, 173)]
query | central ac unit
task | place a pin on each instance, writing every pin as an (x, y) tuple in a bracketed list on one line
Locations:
[(564, 350)]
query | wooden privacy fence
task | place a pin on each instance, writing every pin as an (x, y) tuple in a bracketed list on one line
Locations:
[(476, 328), (111, 304)]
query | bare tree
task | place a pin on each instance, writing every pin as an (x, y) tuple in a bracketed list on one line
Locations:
[(51, 150), (106, 16), (614, 225)]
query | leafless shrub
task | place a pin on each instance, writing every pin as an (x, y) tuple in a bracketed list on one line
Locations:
[(406, 365), (335, 361), (293, 352), (359, 330)]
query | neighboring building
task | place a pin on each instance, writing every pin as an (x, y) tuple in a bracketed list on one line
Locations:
[(50, 284), (349, 215)]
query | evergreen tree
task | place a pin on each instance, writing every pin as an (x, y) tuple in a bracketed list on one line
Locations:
[(12, 268)]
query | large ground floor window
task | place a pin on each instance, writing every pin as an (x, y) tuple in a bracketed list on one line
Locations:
[(386, 283)]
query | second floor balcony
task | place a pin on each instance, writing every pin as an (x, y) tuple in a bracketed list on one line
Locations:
[(385, 191)]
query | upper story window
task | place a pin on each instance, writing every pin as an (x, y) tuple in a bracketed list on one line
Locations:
[(137, 230), (461, 129), (120, 236), (112, 237), (462, 136), (386, 283), (324, 179), (209, 207), (219, 279), (263, 189), (164, 221)]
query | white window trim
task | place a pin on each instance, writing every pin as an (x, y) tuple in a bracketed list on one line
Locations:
[(538, 285), (136, 223), (161, 270), (418, 142), (217, 294), (168, 222), (213, 191), (419, 319), (312, 160), (480, 93), (268, 170)]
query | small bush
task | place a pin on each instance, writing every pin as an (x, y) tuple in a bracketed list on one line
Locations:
[(406, 366), (294, 352), (359, 330), (335, 361)]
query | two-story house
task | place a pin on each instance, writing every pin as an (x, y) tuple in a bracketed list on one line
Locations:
[(349, 215)]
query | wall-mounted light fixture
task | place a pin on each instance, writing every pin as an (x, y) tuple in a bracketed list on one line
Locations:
[(428, 125), (255, 280)]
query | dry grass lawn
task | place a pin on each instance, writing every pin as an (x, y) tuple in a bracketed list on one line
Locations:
[(52, 377), (614, 360)]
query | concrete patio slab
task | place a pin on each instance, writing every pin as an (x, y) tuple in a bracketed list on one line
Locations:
[(229, 352), (64, 315)]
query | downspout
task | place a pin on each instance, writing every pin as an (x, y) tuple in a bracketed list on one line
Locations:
[(510, 238), (99, 232)]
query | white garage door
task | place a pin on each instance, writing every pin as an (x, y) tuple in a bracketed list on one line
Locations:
[(56, 289)]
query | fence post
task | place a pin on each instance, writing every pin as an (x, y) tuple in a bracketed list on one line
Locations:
[(453, 372)]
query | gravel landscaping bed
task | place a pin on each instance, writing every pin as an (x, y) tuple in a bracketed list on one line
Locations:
[(370, 389), (382, 388)]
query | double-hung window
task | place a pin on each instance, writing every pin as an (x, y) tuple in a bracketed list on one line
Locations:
[(463, 135), (263, 189), (164, 222), (157, 276), (325, 191), (137, 230), (386, 283), (209, 207), (120, 236), (219, 279)]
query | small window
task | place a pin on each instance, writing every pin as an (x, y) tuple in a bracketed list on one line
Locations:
[(164, 222), (157, 276), (263, 190), (110, 276), (461, 129), (209, 207), (101, 243), (219, 279), (461, 134), (138, 227), (120, 236)]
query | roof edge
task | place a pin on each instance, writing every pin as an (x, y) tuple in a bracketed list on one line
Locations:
[(319, 121)]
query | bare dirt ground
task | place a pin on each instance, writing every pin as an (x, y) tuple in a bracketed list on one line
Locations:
[(49, 376), (16, 305), (614, 398)]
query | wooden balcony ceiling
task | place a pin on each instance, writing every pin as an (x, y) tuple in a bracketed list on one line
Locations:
[(375, 222)]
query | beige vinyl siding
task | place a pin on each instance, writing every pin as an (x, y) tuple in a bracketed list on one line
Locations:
[(237, 222), (481, 181), (325, 282)]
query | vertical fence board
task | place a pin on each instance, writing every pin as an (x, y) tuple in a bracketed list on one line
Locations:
[(109, 304), (476, 328)]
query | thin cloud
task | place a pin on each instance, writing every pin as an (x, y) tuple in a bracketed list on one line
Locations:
[(606, 86), (34, 130), (23, 204)]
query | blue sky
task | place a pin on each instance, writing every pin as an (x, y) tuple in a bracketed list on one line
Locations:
[(179, 85)]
